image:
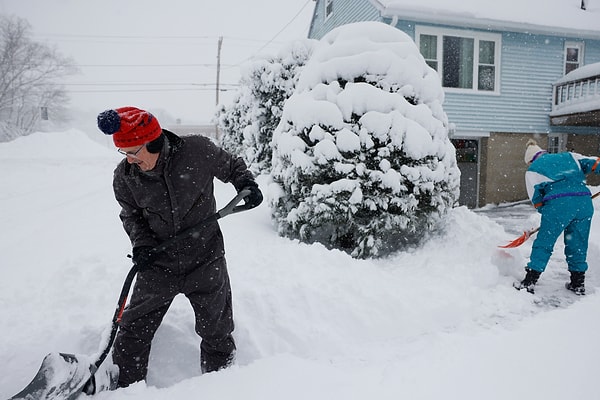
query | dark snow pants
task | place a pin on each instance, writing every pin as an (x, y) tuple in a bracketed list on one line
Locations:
[(209, 292)]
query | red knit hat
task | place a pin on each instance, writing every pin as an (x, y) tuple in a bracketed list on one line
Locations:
[(129, 126)]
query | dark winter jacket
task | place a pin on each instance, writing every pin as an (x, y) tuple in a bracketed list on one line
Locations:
[(175, 195)]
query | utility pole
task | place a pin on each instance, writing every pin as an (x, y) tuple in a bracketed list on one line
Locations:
[(219, 45)]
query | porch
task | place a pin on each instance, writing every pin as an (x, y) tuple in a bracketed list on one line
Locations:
[(576, 98)]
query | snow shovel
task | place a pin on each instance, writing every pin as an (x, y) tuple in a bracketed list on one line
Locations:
[(65, 376), (527, 234)]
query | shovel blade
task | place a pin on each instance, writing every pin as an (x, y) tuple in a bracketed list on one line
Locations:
[(60, 377), (520, 240), (515, 243)]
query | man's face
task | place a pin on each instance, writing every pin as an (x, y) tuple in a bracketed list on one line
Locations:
[(140, 156)]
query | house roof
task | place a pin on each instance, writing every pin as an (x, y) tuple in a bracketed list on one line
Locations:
[(535, 16)]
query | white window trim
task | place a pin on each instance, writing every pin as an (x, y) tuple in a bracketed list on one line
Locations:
[(580, 46), (440, 32), (325, 4), (562, 142)]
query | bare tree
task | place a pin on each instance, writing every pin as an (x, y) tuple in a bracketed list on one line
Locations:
[(30, 74)]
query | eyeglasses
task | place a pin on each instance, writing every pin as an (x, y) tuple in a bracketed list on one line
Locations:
[(131, 153)]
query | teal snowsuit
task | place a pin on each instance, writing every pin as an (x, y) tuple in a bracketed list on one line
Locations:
[(556, 186)]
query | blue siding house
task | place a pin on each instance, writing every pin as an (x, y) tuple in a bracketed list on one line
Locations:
[(505, 67)]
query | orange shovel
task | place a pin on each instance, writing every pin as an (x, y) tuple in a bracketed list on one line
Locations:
[(527, 234), (521, 239)]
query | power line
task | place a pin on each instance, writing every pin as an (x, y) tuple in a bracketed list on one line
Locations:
[(162, 86), (72, 36), (146, 84), (75, 36), (149, 65), (286, 25), (278, 33), (148, 90)]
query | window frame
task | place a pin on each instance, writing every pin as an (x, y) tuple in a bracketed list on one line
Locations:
[(476, 36), (557, 143), (570, 45), (327, 9)]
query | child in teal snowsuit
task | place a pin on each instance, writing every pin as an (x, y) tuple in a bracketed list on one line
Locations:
[(557, 188)]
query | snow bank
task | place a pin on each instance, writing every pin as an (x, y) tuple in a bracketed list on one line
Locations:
[(310, 323)]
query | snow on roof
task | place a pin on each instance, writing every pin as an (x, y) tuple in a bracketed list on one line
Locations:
[(584, 72), (536, 16)]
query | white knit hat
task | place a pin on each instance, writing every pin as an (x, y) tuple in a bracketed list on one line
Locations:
[(532, 151)]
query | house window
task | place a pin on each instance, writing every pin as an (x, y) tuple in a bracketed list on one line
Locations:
[(428, 46), (328, 8), (465, 60), (486, 65), (556, 143), (457, 62), (573, 56)]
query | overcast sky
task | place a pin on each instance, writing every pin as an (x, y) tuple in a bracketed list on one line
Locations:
[(159, 54)]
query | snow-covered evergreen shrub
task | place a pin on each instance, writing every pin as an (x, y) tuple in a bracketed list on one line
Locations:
[(361, 160), (266, 83)]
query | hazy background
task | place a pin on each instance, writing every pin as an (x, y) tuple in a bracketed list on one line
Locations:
[(160, 55)]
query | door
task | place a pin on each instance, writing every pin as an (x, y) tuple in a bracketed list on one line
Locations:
[(467, 157)]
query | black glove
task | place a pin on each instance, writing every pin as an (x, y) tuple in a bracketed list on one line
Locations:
[(255, 197), (143, 257)]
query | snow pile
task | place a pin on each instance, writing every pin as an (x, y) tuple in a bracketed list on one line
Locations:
[(361, 156), (54, 145), (442, 321)]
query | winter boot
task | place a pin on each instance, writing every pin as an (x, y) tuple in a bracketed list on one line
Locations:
[(576, 285), (216, 362), (529, 282)]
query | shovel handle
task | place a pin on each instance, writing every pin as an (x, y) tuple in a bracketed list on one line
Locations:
[(117, 316), (232, 207)]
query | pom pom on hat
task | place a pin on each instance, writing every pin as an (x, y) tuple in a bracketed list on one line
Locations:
[(129, 126), (109, 122), (532, 151)]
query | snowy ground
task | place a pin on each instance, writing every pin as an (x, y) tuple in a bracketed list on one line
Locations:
[(439, 322)]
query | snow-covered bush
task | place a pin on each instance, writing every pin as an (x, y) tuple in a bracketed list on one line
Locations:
[(266, 83), (361, 160)]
